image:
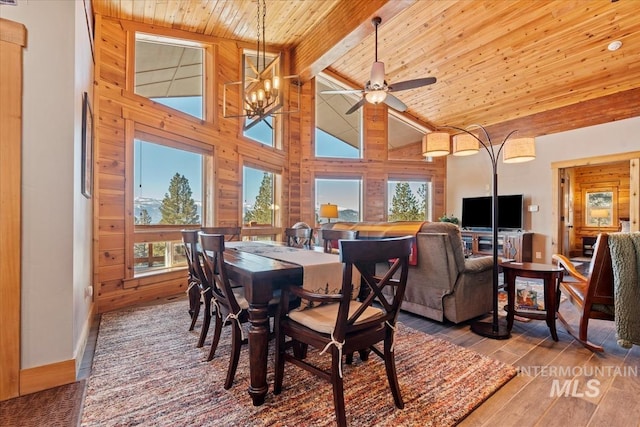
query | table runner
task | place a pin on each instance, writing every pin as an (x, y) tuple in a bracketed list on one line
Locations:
[(322, 272)]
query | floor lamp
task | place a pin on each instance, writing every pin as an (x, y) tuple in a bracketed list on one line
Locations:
[(435, 144)]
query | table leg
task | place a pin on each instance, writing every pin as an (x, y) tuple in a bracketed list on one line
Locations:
[(510, 283), (258, 350), (550, 303)]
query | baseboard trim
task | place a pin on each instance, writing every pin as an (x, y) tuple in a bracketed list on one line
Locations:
[(47, 376)]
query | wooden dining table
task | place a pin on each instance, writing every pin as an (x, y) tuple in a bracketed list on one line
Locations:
[(260, 277)]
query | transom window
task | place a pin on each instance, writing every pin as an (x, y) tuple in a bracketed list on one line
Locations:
[(170, 71), (337, 134), (404, 138)]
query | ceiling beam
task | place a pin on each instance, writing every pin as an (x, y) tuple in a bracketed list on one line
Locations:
[(609, 108), (344, 28)]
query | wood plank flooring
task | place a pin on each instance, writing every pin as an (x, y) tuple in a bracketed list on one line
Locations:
[(536, 396)]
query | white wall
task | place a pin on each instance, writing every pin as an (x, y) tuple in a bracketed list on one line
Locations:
[(56, 219), (471, 176)]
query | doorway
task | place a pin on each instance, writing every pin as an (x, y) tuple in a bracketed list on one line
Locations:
[(611, 181)]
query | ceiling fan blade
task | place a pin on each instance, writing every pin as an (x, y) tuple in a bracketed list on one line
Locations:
[(411, 84), (395, 103), (337, 92), (355, 106)]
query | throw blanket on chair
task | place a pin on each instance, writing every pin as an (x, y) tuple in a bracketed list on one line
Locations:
[(625, 259)]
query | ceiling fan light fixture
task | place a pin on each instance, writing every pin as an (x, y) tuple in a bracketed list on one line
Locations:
[(376, 96)]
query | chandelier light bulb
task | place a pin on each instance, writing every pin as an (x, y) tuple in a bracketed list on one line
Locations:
[(267, 85)]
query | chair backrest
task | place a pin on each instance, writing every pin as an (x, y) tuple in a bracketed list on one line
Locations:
[(364, 255), (600, 280), (454, 238), (190, 240), (330, 237), (215, 271), (230, 233), (298, 237)]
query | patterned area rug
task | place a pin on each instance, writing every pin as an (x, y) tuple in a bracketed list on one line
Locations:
[(55, 407), (147, 371)]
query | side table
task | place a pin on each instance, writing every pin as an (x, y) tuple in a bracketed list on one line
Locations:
[(550, 274)]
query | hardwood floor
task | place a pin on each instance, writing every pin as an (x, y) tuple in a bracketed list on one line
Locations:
[(559, 384)]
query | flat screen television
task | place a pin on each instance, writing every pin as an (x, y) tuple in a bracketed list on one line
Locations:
[(476, 212)]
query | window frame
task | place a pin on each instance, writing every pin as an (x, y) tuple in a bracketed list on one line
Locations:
[(361, 131), (209, 89), (137, 234), (411, 178), (273, 231), (329, 177)]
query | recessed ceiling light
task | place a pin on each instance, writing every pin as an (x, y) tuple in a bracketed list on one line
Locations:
[(614, 45)]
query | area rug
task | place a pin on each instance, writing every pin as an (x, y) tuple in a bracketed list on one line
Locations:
[(55, 407), (147, 371)]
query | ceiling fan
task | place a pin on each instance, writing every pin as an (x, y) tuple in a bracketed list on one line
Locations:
[(376, 90)]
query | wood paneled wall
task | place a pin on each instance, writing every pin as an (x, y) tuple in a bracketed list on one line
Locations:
[(120, 113), (616, 175)]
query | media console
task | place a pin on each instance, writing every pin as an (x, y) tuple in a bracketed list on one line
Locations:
[(511, 244)]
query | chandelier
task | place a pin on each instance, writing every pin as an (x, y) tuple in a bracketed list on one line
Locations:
[(262, 82)]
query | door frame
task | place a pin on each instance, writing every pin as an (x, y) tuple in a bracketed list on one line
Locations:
[(632, 157)]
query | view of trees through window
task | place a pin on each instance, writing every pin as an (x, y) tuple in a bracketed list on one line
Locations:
[(409, 201), (259, 205), (168, 191)]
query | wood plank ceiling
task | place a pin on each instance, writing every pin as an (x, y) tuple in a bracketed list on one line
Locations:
[(497, 62)]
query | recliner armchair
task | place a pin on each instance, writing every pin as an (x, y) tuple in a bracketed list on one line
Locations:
[(445, 284)]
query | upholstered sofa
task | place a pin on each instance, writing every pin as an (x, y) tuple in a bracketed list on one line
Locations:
[(442, 283)]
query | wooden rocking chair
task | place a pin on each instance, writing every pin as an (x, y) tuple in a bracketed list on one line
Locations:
[(592, 295)]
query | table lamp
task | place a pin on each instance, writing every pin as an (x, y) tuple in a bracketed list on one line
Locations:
[(599, 214), (328, 211)]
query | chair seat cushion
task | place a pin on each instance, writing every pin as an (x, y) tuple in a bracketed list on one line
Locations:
[(323, 318)]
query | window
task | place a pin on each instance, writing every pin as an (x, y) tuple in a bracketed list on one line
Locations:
[(409, 200), (168, 195), (600, 208), (260, 205), (170, 71), (346, 193), (337, 134), (404, 138), (262, 131)]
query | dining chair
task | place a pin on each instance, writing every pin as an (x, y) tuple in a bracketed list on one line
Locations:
[(230, 234), (231, 305), (195, 274), (593, 294), (338, 324), (330, 238), (298, 237)]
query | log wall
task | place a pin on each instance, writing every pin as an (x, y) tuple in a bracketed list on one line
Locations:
[(120, 113)]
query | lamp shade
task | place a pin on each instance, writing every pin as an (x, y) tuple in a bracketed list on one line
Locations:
[(519, 150), (599, 213), (436, 144), (465, 145), (328, 211)]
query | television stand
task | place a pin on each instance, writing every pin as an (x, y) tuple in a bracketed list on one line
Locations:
[(511, 244)]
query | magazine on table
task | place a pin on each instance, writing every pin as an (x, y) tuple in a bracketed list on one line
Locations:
[(529, 294)]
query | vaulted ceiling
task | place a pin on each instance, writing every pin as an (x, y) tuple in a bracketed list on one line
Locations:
[(539, 65)]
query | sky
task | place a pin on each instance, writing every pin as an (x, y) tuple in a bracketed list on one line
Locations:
[(157, 164)]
